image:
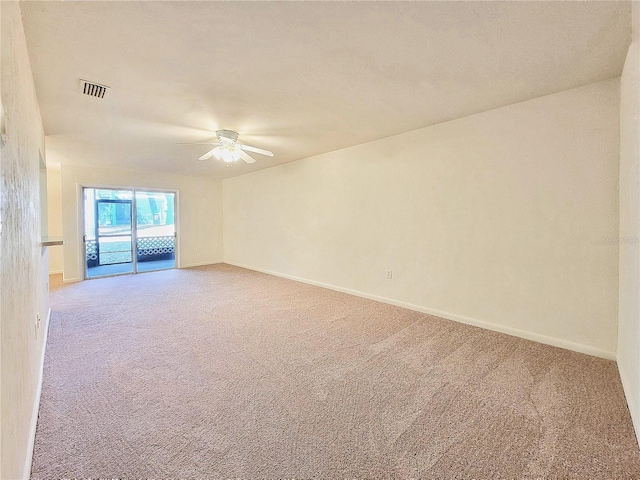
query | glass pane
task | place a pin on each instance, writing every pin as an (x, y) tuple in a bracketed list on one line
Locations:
[(108, 231), (114, 218), (102, 194), (115, 250), (114, 231), (155, 247)]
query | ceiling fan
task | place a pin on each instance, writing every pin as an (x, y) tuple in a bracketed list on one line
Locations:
[(229, 150)]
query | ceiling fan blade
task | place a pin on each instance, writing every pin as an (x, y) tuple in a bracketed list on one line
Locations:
[(198, 143), (261, 151), (207, 155), (247, 158)]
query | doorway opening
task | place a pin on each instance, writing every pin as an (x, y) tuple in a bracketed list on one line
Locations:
[(128, 231)]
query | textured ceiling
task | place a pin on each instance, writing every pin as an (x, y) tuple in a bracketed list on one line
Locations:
[(298, 78)]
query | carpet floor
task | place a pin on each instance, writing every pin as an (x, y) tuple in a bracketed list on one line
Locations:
[(221, 372)]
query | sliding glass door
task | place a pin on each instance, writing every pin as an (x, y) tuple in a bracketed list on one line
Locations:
[(128, 231)]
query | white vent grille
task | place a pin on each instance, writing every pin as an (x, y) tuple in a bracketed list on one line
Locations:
[(93, 89)]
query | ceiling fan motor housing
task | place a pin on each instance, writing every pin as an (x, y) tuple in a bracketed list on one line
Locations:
[(228, 137)]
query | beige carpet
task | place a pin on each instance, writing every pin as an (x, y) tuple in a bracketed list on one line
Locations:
[(220, 372)]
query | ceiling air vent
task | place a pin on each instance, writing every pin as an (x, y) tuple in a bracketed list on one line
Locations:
[(93, 89)]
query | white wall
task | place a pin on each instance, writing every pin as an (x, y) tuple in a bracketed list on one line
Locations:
[(629, 309), (54, 210), (506, 219), (199, 212), (24, 262)]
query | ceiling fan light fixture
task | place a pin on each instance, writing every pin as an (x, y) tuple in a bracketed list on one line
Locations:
[(226, 153)]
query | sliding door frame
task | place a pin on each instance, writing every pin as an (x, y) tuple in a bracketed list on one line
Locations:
[(82, 251)]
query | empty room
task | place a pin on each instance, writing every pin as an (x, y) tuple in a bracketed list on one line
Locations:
[(320, 239)]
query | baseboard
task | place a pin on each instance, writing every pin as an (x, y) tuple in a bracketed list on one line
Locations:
[(189, 265), (631, 402), (26, 472), (203, 264), (536, 337), (55, 272)]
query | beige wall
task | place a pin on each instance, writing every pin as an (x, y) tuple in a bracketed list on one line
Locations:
[(24, 262), (54, 210), (199, 211), (629, 309), (505, 219)]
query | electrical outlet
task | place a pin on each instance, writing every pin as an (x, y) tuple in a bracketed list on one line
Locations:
[(389, 274)]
